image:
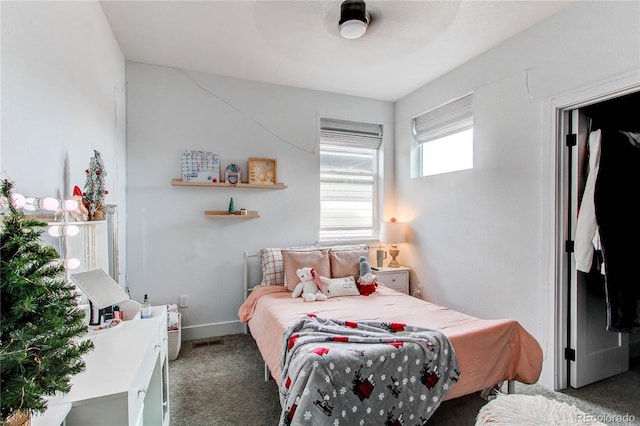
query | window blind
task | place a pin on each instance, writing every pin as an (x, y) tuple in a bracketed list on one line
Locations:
[(452, 117), (350, 133), (348, 179)]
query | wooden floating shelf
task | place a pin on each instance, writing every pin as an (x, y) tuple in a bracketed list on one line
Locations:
[(223, 214), (180, 182)]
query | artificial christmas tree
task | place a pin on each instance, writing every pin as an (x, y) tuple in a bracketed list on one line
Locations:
[(40, 320), (94, 191)]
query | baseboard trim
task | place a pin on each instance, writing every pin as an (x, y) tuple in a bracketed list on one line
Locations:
[(205, 331)]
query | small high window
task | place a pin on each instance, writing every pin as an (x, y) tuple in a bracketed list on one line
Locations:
[(445, 137)]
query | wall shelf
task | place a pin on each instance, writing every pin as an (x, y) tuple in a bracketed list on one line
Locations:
[(223, 214), (180, 182)]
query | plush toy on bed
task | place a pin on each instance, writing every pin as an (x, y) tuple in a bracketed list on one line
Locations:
[(367, 282), (309, 285)]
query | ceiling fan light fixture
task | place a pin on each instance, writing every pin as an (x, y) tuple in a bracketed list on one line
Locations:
[(354, 19)]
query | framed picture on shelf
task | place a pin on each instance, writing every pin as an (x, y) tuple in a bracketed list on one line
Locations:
[(263, 171)]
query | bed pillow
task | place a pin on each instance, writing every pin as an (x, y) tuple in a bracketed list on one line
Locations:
[(345, 286), (272, 264), (346, 263), (296, 259)]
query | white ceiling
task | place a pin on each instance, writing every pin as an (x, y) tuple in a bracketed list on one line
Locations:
[(296, 43)]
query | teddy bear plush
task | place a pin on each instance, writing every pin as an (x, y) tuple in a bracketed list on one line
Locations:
[(309, 285), (367, 282)]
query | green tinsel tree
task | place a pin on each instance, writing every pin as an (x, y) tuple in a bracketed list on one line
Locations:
[(39, 317), (94, 190)]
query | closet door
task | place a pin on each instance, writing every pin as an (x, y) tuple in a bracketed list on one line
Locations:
[(598, 353)]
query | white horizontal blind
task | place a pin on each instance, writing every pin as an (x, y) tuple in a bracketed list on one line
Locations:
[(350, 133), (448, 119), (348, 176)]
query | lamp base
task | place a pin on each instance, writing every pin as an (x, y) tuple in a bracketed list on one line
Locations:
[(394, 252)]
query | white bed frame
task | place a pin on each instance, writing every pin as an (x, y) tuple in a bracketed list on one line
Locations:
[(247, 289)]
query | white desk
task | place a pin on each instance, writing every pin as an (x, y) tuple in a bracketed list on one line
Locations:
[(126, 381)]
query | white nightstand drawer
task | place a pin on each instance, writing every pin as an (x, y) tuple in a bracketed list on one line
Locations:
[(395, 278)]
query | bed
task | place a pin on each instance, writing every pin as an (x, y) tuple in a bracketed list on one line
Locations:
[(487, 352)]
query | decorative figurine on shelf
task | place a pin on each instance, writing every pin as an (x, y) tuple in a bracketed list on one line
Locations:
[(367, 282), (232, 207), (81, 213), (232, 175), (94, 191)]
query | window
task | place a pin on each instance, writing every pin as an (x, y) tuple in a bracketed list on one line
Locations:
[(348, 179), (445, 137)]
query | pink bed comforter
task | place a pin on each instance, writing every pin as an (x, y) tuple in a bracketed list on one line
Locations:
[(488, 351)]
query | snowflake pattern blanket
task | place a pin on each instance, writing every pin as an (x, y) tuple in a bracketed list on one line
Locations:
[(363, 373)]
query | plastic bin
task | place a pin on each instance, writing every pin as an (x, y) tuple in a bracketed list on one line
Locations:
[(175, 340)]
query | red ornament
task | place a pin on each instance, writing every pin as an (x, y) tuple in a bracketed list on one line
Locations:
[(106, 192), (97, 172), (86, 171)]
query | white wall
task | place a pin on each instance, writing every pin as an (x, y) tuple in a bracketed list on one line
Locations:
[(480, 239), (62, 97), (172, 248)]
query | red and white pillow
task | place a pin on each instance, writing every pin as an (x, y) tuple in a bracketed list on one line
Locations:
[(272, 266)]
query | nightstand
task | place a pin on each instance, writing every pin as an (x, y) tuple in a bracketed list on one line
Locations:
[(395, 278)]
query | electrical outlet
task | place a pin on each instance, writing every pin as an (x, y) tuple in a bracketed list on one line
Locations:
[(184, 301)]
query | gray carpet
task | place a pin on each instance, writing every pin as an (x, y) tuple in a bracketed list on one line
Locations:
[(223, 384)]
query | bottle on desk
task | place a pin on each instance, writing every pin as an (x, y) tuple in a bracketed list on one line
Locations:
[(145, 309)]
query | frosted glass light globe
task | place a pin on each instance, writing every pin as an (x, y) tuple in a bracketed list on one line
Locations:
[(72, 263), (18, 200), (54, 231), (71, 230), (50, 203), (30, 204), (70, 205), (353, 29)]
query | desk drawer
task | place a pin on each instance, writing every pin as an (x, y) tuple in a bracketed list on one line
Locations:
[(140, 384)]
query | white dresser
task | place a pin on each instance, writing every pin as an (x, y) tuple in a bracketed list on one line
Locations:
[(126, 380), (395, 278)]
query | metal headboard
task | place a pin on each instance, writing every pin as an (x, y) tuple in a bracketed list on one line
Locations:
[(247, 278), (248, 273)]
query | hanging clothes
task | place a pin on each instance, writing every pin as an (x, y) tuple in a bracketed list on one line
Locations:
[(617, 210), (587, 238)]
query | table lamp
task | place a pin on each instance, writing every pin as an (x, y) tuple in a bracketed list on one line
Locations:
[(393, 232)]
